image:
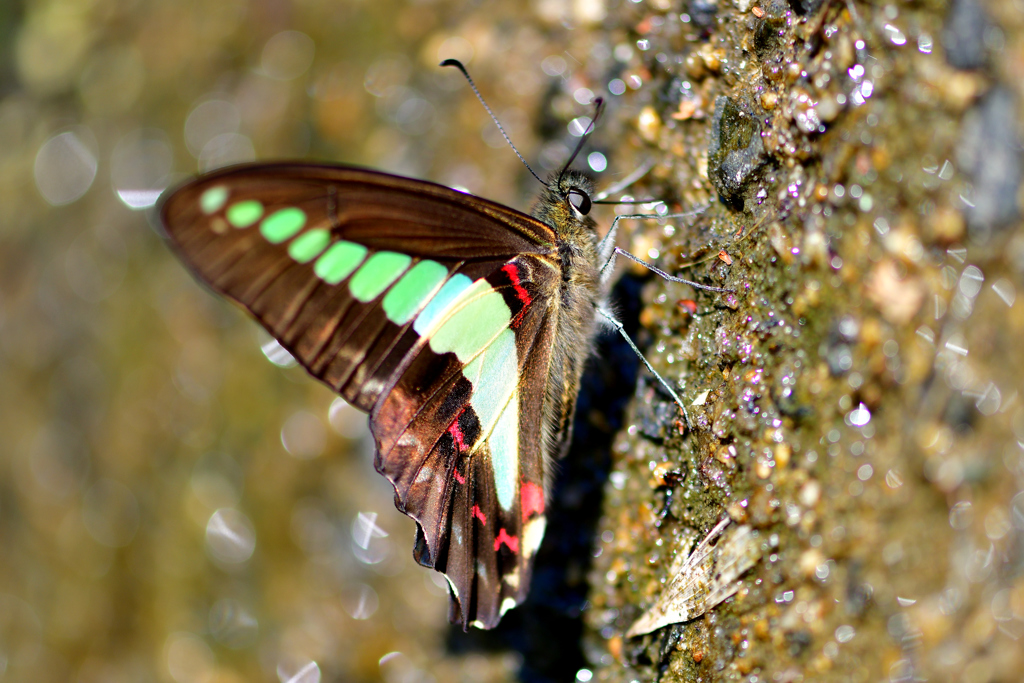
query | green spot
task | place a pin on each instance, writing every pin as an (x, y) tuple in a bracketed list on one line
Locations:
[(482, 314), (494, 374), (437, 309), (212, 200), (339, 261), (282, 225), (308, 246), (245, 213), (415, 287), (379, 271)]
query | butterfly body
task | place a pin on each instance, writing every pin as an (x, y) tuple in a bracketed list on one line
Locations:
[(460, 325)]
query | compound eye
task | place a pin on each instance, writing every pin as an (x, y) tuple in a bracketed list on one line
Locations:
[(579, 200)]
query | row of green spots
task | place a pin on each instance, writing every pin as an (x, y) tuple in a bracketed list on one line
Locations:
[(341, 259)]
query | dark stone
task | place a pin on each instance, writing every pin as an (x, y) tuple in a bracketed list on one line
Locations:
[(963, 34), (735, 151), (767, 36), (990, 154), (798, 642), (839, 345), (703, 14), (656, 419), (806, 6), (770, 29)]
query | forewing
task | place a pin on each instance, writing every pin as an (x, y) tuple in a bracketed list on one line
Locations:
[(337, 262)]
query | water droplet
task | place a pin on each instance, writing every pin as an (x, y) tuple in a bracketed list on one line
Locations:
[(232, 624), (140, 167), (859, 416), (303, 435), (299, 672), (207, 120), (230, 537), (347, 420), (225, 150), (360, 601), (961, 515), (65, 166)]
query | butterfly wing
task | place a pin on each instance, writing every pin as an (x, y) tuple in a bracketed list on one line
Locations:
[(468, 460), (425, 307)]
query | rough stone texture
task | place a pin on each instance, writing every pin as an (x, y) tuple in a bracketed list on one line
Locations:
[(856, 398), (963, 34), (735, 151), (990, 153)]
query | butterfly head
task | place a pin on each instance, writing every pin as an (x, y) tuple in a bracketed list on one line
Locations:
[(566, 202)]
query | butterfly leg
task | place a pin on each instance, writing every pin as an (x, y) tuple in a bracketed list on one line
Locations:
[(614, 322), (607, 250)]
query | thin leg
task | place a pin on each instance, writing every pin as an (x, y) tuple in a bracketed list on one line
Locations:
[(606, 248), (614, 322), (671, 278)]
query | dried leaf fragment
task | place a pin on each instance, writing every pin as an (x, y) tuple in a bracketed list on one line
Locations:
[(706, 578)]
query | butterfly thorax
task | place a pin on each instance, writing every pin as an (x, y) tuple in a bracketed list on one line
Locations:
[(564, 206)]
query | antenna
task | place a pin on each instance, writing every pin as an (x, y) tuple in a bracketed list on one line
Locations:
[(599, 107), (458, 65)]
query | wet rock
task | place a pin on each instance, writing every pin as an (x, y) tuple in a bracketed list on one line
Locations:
[(806, 6), (735, 151), (768, 36), (799, 641), (656, 420), (703, 14), (963, 34), (990, 154), (838, 349)]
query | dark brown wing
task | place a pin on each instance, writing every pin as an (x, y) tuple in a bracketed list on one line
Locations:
[(426, 307), (341, 340)]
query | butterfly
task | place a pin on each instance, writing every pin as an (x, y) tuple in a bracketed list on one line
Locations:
[(460, 325)]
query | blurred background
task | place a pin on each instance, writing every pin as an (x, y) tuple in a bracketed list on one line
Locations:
[(177, 502)]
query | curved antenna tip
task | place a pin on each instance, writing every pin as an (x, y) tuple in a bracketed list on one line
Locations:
[(458, 65)]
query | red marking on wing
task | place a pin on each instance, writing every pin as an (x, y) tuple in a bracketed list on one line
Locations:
[(511, 542), (460, 443), (479, 514), (456, 431), (512, 271), (531, 500)]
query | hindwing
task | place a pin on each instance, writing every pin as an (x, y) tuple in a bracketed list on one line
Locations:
[(467, 457)]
